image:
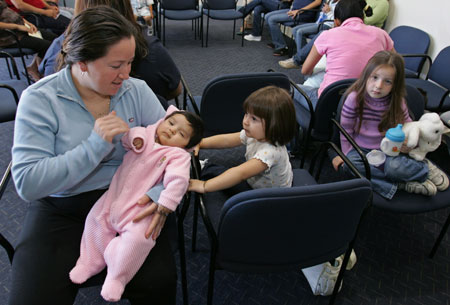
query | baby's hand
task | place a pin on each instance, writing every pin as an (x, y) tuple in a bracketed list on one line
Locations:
[(197, 186), (138, 142)]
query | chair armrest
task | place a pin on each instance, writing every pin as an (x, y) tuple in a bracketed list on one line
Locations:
[(3, 241), (187, 94), (355, 146), (13, 61), (13, 92), (426, 56), (322, 23)]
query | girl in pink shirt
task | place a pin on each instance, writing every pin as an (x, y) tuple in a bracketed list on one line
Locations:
[(111, 235)]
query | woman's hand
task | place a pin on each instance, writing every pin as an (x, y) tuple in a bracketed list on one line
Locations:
[(337, 161), (23, 28), (31, 27), (197, 186), (109, 126), (159, 213), (50, 13)]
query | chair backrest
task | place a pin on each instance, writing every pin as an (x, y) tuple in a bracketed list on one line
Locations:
[(410, 40), (223, 97), (439, 72), (220, 4), (278, 229), (177, 5), (326, 108), (415, 101)]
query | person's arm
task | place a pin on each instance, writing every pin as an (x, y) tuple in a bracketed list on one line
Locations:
[(230, 177), (38, 170), (130, 142), (227, 140), (174, 93), (311, 61), (28, 8), (312, 5), (13, 26)]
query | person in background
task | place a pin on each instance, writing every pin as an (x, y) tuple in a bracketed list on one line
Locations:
[(66, 150), (143, 11), (43, 14), (10, 20)]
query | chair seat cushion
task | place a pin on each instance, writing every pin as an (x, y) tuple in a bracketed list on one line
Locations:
[(434, 94), (411, 74), (223, 14), (408, 203), (181, 15)]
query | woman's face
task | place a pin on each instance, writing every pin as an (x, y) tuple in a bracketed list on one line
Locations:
[(107, 73)]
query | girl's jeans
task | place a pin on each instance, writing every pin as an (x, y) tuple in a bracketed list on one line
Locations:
[(396, 169)]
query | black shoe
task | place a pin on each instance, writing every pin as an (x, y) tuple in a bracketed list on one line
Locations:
[(281, 52), (247, 31), (271, 45)]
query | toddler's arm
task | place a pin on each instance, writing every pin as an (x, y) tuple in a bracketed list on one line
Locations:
[(134, 139), (222, 141), (229, 178)]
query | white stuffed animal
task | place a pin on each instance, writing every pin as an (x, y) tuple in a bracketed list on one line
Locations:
[(424, 135)]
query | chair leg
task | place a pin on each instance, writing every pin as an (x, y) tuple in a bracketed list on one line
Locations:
[(243, 29), (201, 30), (234, 27), (207, 30), (26, 71), (195, 223), (440, 237), (182, 251), (9, 69), (212, 270), (164, 31)]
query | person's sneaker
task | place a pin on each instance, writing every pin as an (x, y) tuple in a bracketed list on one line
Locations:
[(271, 45), (281, 52), (250, 37), (437, 176), (327, 279), (288, 63), (351, 261), (426, 188)]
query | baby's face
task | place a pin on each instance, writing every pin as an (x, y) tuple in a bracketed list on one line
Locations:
[(174, 131)]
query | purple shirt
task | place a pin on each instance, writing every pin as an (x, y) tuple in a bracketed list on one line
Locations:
[(348, 49), (369, 136)]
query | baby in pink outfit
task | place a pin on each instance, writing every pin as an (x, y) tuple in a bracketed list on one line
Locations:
[(155, 153)]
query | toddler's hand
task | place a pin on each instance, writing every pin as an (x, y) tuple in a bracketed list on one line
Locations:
[(138, 143), (337, 161), (197, 186)]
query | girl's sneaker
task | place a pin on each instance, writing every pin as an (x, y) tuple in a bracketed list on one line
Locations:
[(250, 37), (427, 188), (437, 176)]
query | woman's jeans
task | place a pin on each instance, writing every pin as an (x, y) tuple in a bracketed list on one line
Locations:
[(396, 169)]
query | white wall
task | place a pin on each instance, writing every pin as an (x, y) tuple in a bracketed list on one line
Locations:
[(431, 16)]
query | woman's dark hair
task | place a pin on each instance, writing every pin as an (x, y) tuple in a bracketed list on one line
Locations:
[(92, 32), (197, 126), (394, 114), (346, 9), (274, 105)]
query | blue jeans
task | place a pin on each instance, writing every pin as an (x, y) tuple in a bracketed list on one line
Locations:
[(301, 32), (280, 16), (396, 169), (299, 99), (259, 7)]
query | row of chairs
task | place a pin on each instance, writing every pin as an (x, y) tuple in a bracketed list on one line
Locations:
[(238, 238), (191, 10)]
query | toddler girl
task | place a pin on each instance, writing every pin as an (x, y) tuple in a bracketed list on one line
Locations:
[(111, 237), (268, 125), (375, 103)]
